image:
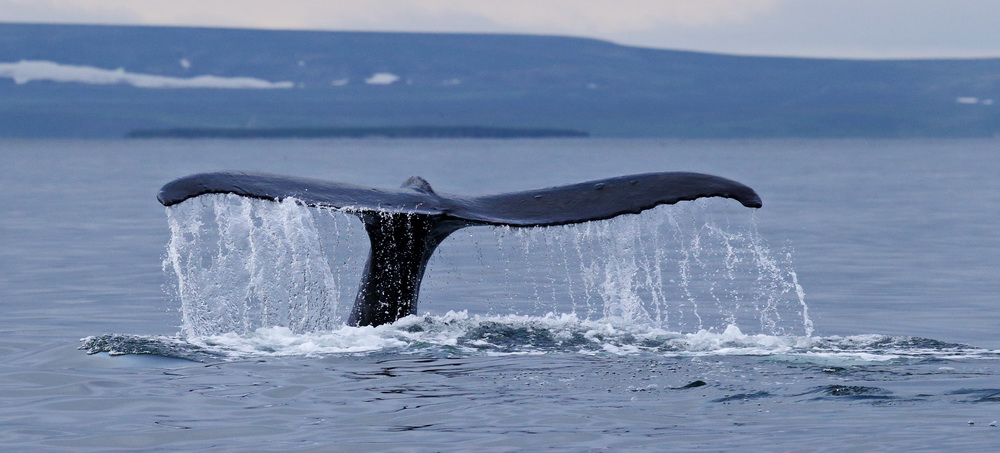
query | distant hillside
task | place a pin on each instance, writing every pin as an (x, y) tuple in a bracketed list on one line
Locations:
[(104, 81)]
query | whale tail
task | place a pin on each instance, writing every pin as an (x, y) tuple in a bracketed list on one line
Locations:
[(406, 225)]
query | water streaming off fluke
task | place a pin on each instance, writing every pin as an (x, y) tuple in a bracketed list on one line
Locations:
[(243, 264)]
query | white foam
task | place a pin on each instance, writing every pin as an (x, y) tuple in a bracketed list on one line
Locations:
[(26, 71), (459, 332), (281, 341)]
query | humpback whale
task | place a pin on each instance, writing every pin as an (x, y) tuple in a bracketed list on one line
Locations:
[(406, 225)]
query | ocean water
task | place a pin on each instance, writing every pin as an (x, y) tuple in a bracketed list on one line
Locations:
[(855, 311)]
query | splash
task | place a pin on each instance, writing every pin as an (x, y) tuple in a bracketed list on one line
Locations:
[(686, 267), (462, 334), (242, 266)]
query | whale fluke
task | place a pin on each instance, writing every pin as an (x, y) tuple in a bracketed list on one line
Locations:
[(406, 225)]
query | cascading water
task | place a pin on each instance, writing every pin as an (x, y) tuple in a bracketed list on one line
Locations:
[(686, 267), (243, 264)]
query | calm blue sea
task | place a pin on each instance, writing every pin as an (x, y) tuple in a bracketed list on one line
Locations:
[(857, 310)]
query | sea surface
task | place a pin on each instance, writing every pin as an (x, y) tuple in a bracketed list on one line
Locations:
[(856, 311)]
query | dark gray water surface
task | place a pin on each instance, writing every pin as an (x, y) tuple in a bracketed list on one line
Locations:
[(894, 242)]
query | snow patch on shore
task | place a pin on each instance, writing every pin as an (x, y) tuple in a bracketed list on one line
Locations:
[(26, 71)]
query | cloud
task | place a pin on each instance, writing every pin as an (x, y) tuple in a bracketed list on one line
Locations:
[(819, 28), (579, 17), (65, 11), (600, 16)]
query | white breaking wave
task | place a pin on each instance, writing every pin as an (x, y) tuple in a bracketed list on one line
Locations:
[(26, 71)]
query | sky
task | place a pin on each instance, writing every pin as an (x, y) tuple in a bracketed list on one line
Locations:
[(809, 28)]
